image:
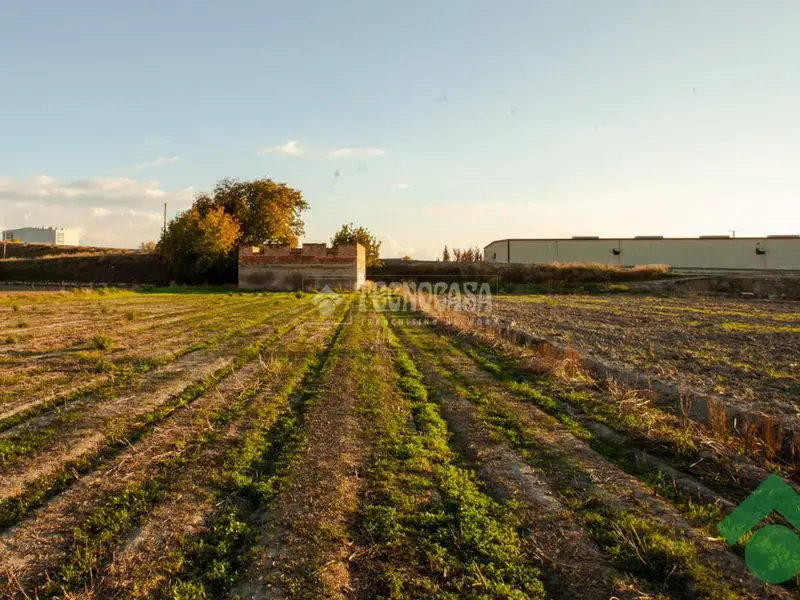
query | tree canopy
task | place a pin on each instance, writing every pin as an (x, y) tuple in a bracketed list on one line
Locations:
[(468, 254), (348, 234), (462, 255), (201, 244), (196, 246), (266, 211)]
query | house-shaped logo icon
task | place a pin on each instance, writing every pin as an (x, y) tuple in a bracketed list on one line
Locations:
[(326, 301)]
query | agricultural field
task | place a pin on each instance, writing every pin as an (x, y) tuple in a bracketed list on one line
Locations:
[(745, 351), (224, 445)]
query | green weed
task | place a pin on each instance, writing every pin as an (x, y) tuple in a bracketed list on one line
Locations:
[(758, 328), (12, 509), (441, 535), (128, 374), (104, 529), (641, 545), (253, 474), (20, 444), (102, 342), (104, 366)]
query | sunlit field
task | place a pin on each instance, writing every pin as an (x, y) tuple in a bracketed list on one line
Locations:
[(246, 445)]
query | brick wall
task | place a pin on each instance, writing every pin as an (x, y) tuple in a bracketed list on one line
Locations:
[(278, 267)]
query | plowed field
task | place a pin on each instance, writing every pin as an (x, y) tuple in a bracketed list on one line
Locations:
[(211, 445)]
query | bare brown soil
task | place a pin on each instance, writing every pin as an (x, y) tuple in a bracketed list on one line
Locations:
[(304, 550), (96, 419), (745, 351), (268, 451)]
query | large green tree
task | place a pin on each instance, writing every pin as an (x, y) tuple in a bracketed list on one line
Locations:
[(197, 245), (265, 211), (202, 243), (348, 234)]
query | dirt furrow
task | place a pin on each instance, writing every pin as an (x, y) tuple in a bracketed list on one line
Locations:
[(218, 330), (123, 326), (573, 565), (58, 368), (573, 469), (304, 548), (627, 426), (681, 459), (85, 431), (250, 476), (39, 334), (64, 364), (143, 562), (202, 430)]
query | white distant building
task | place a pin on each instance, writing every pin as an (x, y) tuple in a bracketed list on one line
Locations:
[(55, 236)]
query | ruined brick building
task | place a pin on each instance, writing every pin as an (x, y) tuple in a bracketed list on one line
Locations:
[(281, 268)]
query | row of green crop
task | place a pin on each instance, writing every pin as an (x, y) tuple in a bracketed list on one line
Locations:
[(132, 372), (638, 543), (97, 536), (14, 508), (253, 473), (431, 530)]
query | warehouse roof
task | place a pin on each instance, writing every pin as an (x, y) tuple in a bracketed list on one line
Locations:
[(587, 238)]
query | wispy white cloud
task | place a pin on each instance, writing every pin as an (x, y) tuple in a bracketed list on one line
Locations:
[(159, 162), (392, 248), (402, 186), (43, 189), (293, 148), (355, 152), (447, 210), (115, 211), (101, 212), (290, 148), (156, 142), (153, 217)]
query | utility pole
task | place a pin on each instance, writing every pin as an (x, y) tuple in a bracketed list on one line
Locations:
[(733, 232), (164, 230)]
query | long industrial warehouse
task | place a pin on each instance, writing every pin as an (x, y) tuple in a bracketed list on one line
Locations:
[(774, 252)]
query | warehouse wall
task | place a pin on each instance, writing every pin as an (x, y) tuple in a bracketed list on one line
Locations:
[(575, 250), (31, 235), (782, 254), (40, 235), (694, 254), (688, 253), (71, 237)]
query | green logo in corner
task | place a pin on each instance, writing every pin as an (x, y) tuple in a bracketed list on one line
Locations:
[(773, 551)]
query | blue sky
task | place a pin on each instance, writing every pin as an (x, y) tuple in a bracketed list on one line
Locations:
[(448, 122)]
